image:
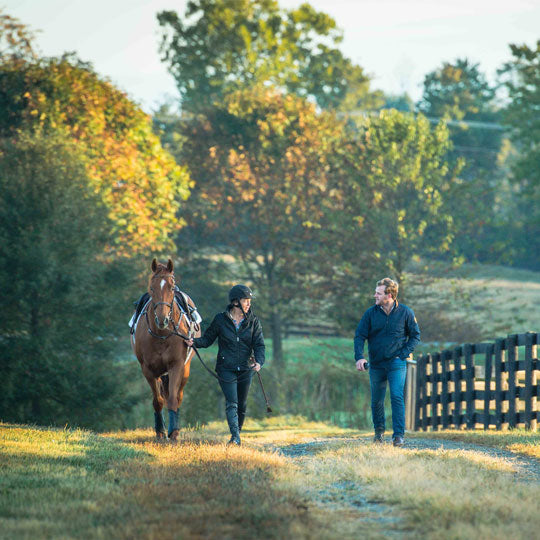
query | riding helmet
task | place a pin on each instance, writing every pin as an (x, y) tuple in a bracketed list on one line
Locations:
[(240, 291)]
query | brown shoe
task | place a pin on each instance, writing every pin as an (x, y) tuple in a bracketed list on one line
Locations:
[(398, 441), (378, 438)]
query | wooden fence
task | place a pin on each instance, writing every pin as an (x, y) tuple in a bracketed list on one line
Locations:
[(481, 385)]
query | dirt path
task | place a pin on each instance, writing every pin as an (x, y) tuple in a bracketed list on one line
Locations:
[(374, 517)]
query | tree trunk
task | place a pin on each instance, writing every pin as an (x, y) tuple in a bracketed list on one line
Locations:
[(277, 339)]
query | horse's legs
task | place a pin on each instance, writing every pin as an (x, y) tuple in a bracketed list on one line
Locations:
[(175, 378), (185, 378), (157, 402)]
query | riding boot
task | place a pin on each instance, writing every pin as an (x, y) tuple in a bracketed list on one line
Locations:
[(241, 417), (232, 420)]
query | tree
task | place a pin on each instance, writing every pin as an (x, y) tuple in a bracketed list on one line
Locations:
[(260, 162), (460, 93), (220, 46), (395, 177), (59, 308), (16, 39), (522, 115), (139, 182)]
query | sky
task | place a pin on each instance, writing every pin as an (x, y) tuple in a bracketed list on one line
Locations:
[(396, 41)]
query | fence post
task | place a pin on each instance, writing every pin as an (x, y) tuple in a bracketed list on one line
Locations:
[(469, 385), (427, 359), (444, 390), (529, 352), (487, 385), (511, 369), (410, 395), (499, 357), (418, 390), (434, 372), (456, 377)]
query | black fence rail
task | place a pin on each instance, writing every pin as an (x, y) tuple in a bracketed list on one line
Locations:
[(482, 385)]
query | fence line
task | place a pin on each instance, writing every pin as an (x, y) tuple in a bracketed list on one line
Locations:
[(480, 385)]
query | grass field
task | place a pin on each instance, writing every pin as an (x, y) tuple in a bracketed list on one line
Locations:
[(479, 302), (76, 484)]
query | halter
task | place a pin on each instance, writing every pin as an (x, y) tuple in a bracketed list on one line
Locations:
[(170, 305)]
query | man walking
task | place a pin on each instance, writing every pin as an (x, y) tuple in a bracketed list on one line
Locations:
[(392, 333)]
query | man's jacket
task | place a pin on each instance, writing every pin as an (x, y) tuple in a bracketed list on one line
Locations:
[(389, 336), (234, 346)]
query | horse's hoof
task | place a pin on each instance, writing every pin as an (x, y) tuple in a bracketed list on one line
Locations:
[(173, 437)]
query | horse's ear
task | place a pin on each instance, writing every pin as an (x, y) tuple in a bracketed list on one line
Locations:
[(170, 266), (154, 265)]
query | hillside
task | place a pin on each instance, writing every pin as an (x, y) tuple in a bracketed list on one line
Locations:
[(291, 478)]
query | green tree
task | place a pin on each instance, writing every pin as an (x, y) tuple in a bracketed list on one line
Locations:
[(522, 80), (220, 46), (395, 176), (138, 181), (60, 304), (261, 166), (460, 93)]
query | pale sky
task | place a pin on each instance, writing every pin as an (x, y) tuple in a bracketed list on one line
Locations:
[(396, 42)]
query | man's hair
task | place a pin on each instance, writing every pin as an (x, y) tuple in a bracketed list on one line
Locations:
[(390, 286)]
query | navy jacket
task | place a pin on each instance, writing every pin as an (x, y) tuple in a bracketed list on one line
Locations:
[(234, 346), (389, 336)]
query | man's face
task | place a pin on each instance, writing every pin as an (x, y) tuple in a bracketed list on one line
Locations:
[(382, 299)]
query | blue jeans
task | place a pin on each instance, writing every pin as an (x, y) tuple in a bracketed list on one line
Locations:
[(394, 371)]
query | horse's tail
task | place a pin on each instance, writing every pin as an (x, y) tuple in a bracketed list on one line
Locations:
[(164, 385)]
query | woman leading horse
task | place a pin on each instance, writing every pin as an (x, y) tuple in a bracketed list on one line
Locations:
[(238, 332)]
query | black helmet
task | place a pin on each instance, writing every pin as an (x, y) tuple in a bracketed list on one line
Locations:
[(240, 291)]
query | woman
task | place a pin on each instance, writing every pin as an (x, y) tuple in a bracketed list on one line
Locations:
[(239, 332)]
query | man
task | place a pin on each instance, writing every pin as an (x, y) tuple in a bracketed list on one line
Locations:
[(392, 333)]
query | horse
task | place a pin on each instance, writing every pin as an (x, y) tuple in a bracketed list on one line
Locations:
[(160, 348)]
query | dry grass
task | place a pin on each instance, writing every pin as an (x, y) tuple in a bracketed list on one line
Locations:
[(517, 440), (75, 484)]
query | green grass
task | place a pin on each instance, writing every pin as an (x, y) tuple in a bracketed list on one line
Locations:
[(75, 484)]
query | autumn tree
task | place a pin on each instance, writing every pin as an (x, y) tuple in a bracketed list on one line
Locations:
[(219, 46), (139, 182), (260, 162), (16, 39)]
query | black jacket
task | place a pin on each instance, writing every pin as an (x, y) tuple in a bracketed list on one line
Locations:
[(235, 346), (389, 336)]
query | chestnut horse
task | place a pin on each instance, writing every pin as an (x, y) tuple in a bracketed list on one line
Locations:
[(162, 353)]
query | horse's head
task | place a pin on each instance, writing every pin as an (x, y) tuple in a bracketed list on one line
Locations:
[(161, 290)]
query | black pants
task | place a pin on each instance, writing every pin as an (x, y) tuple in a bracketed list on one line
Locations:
[(235, 386)]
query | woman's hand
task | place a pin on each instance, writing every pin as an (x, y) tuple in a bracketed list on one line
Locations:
[(189, 342), (256, 366)]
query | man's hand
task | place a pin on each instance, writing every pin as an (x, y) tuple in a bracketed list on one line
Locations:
[(256, 366), (189, 342), (361, 364)]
